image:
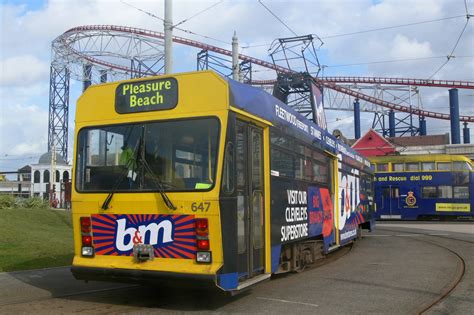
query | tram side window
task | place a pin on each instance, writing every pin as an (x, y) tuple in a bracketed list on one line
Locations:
[(366, 183), (299, 169), (445, 192), (397, 167), (428, 192), (228, 173), (428, 166), (461, 166), (283, 163), (382, 167), (410, 167), (461, 192), (444, 166), (461, 178), (310, 165)]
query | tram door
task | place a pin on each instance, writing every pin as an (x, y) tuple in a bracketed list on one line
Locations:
[(250, 200), (390, 202)]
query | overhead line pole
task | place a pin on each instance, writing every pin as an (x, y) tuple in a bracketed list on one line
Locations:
[(168, 27)]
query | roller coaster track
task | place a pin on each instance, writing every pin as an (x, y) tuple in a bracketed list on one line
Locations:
[(327, 82)]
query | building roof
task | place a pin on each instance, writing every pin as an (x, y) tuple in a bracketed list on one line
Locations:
[(46, 159), (25, 169), (373, 144), (420, 140)]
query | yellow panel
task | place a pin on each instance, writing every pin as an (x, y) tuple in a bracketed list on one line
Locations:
[(453, 207), (199, 94), (266, 172)]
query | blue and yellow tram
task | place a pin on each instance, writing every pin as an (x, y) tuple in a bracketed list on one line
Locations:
[(430, 186), (194, 177)]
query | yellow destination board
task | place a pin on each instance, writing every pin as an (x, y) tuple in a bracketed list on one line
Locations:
[(453, 207)]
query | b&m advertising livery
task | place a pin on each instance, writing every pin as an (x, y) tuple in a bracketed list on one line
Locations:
[(171, 236)]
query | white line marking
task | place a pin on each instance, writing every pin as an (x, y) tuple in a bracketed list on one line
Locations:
[(286, 301), (414, 235)]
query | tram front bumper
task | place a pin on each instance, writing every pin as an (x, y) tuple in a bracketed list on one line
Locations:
[(142, 276)]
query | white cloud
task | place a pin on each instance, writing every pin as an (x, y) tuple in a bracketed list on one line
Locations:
[(22, 70), (404, 48), (23, 130)]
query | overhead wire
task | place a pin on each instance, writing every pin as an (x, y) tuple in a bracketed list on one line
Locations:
[(175, 26), (450, 56), (391, 61), (277, 17), (200, 12), (372, 30)]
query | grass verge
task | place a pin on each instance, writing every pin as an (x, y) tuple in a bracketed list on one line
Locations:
[(35, 238)]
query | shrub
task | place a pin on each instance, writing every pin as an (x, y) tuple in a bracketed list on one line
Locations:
[(7, 202), (33, 202), (10, 202)]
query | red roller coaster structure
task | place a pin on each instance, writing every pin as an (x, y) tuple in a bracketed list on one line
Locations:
[(327, 82), (69, 49)]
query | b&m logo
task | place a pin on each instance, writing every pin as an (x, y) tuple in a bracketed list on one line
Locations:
[(152, 234), (172, 236)]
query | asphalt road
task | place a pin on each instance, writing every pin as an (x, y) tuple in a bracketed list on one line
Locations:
[(399, 269)]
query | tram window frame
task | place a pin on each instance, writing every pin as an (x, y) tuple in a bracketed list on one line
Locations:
[(228, 178), (279, 147), (439, 164), (461, 195), (409, 165), (395, 167), (429, 192), (464, 166), (442, 189), (382, 167), (428, 166)]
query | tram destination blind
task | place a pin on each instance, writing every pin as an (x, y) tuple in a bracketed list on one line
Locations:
[(144, 96)]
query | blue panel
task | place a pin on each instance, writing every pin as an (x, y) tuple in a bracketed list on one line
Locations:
[(391, 123), (422, 126), (356, 119), (258, 102), (264, 105), (276, 250), (228, 281), (466, 134), (454, 112)]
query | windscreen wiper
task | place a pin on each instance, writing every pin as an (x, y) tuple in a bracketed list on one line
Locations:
[(107, 200), (158, 184), (140, 160)]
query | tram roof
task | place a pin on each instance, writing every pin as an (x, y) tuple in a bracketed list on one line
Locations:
[(260, 103), (420, 158)]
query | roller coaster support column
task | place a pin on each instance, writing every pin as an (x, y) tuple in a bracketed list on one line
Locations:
[(356, 119), (466, 134), (103, 76), (454, 112), (391, 124), (168, 26), (422, 126), (87, 76)]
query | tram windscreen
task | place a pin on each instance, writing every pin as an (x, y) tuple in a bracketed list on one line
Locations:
[(177, 155)]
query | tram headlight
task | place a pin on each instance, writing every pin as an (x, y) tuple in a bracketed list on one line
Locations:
[(203, 257), (87, 251)]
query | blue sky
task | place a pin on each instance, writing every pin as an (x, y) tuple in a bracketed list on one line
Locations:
[(29, 27)]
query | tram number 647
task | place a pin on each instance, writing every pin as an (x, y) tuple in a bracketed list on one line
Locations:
[(200, 206)]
